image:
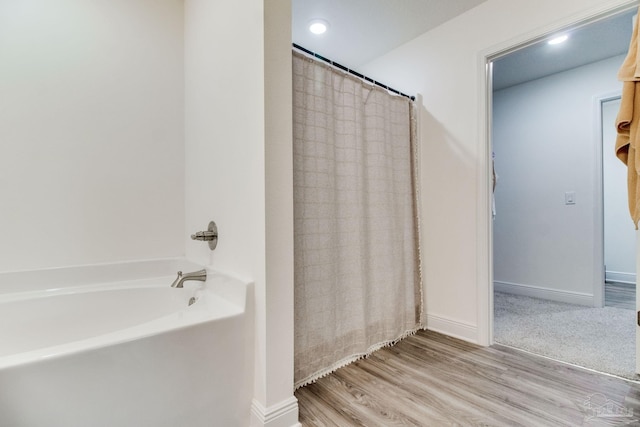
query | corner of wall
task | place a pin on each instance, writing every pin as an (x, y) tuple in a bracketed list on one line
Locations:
[(453, 328), (283, 414)]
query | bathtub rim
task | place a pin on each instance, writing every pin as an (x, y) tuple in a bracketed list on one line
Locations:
[(49, 278), (219, 286)]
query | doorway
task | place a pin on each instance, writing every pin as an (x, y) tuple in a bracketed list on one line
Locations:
[(619, 239), (547, 250)]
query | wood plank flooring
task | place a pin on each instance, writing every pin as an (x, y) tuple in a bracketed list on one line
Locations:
[(621, 295), (433, 380)]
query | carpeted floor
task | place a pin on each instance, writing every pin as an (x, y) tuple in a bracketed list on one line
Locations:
[(602, 339)]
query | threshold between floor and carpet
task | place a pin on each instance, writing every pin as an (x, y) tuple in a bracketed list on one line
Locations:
[(602, 339)]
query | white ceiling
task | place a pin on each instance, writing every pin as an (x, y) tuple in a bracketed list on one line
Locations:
[(586, 44), (362, 30)]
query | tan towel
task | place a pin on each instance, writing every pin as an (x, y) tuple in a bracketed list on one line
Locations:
[(628, 122)]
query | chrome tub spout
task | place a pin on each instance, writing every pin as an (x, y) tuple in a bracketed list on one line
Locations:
[(200, 275)]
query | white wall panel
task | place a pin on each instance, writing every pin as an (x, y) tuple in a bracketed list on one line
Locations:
[(91, 132)]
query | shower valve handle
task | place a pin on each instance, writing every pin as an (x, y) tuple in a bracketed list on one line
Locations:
[(211, 235), (204, 236)]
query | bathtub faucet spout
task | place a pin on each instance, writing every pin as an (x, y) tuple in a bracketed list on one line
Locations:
[(200, 275)]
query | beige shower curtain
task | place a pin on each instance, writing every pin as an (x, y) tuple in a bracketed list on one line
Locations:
[(357, 278)]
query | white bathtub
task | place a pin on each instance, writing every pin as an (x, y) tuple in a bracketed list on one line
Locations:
[(124, 352)]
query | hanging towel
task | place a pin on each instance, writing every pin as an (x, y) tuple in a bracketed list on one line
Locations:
[(628, 121)]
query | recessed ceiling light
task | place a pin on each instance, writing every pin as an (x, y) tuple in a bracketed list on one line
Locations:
[(318, 26), (559, 39)]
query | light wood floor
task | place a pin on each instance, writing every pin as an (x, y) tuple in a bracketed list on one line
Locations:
[(433, 380), (621, 295)]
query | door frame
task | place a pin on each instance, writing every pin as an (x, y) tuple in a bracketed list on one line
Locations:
[(599, 267), (484, 237)]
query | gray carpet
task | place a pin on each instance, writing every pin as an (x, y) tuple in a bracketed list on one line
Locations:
[(602, 339)]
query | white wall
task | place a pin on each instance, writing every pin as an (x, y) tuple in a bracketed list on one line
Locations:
[(278, 292), (545, 145), (224, 132), (238, 130), (619, 235), (91, 132), (127, 125), (446, 66)]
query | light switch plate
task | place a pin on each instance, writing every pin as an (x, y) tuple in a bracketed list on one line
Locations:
[(570, 198)]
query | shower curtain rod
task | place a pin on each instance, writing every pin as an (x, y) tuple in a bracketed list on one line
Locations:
[(350, 71)]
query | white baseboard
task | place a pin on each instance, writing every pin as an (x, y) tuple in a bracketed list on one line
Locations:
[(283, 414), (618, 276), (545, 293), (455, 328)]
